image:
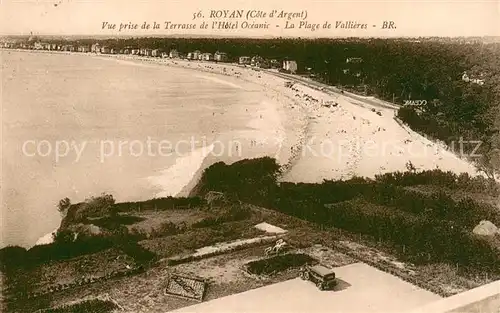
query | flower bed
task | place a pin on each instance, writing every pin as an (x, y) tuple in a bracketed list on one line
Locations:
[(279, 263), (186, 287)]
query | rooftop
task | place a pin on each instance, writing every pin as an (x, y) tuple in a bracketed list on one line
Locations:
[(322, 270)]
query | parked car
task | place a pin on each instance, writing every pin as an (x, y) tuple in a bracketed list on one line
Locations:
[(322, 276)]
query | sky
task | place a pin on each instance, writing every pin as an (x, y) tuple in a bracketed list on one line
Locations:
[(411, 18)]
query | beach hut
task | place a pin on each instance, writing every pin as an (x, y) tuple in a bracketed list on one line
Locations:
[(220, 56)]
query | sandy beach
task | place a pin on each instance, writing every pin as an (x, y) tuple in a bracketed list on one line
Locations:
[(359, 136)]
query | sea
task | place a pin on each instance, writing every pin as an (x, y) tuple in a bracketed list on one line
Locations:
[(77, 126)]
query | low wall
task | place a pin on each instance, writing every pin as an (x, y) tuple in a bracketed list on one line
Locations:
[(484, 299)]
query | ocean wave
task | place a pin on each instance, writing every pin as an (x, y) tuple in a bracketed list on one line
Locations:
[(46, 239), (173, 179)]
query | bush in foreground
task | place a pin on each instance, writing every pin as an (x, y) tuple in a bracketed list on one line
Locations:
[(424, 227), (279, 263), (89, 306)]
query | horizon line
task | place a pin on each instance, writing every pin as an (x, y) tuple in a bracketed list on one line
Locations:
[(180, 36)]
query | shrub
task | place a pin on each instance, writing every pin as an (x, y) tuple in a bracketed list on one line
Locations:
[(235, 213), (166, 229), (136, 251), (95, 207), (113, 222), (279, 263), (88, 306), (160, 204)]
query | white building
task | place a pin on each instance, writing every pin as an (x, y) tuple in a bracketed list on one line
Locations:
[(467, 79), (207, 56), (245, 60), (220, 56), (290, 66), (96, 48), (354, 60), (173, 54)]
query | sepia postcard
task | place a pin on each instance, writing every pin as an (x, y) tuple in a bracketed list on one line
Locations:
[(250, 156)]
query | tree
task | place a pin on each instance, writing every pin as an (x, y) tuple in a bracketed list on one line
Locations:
[(100, 206), (64, 236), (410, 167), (64, 205)]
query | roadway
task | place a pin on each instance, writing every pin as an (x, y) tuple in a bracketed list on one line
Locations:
[(334, 91)]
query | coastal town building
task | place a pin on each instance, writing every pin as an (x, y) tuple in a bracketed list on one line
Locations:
[(189, 56), (69, 48), (146, 52), (207, 56), (156, 53), (95, 48), (128, 50), (220, 56), (244, 60), (105, 50), (41, 46), (466, 78), (173, 54), (164, 55), (274, 63), (256, 60), (196, 54), (135, 51), (83, 49), (290, 66), (260, 62)]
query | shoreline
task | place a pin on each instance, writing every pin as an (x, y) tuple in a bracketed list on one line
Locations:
[(305, 118)]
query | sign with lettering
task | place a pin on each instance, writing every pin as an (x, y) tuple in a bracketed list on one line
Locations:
[(415, 102)]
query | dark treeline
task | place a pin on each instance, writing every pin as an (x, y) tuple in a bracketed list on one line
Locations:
[(422, 227), (64, 247)]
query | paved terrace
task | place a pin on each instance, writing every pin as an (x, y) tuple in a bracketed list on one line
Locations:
[(484, 299), (362, 289)]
